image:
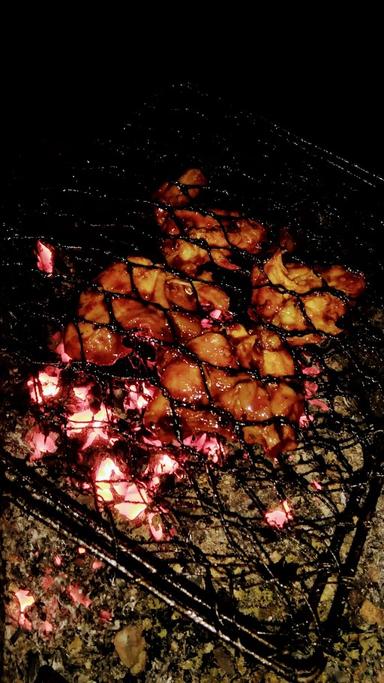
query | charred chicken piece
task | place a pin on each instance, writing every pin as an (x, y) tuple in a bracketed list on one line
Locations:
[(262, 350), (98, 345), (181, 377), (214, 348), (195, 239), (142, 297), (235, 391), (273, 438), (92, 337), (240, 396), (280, 309), (298, 302), (189, 258), (159, 419), (180, 193), (338, 277), (293, 277), (324, 310)]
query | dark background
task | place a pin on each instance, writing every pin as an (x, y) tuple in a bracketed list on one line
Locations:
[(333, 97)]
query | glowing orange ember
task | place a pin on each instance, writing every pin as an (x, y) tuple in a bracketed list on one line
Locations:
[(138, 396), (205, 444), (45, 257), (318, 403), (109, 480), (280, 516), (45, 385), (41, 443), (93, 425), (316, 485), (25, 600), (305, 421), (135, 502), (97, 564), (78, 596), (311, 370), (310, 388)]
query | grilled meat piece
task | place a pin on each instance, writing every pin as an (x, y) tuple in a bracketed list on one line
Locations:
[(293, 277), (145, 298), (297, 301), (262, 350), (195, 239), (338, 277)]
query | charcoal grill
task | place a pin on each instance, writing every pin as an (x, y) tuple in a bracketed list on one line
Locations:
[(276, 594)]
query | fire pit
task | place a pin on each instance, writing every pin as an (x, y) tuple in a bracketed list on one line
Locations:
[(256, 546)]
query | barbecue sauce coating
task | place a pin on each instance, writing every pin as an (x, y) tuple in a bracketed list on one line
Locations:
[(215, 376), (193, 238), (294, 298), (144, 300)]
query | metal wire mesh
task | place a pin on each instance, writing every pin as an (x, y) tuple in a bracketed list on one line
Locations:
[(275, 592)]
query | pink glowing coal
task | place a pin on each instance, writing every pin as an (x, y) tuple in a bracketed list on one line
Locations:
[(57, 345), (45, 386), (93, 426), (163, 464), (77, 595), (215, 316), (45, 257), (138, 395), (46, 628), (136, 501), (82, 393), (155, 526), (316, 485), (42, 444), (305, 421), (130, 499), (311, 370), (105, 615), (209, 445), (280, 516), (26, 600), (110, 480), (310, 388), (152, 442), (97, 564)]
